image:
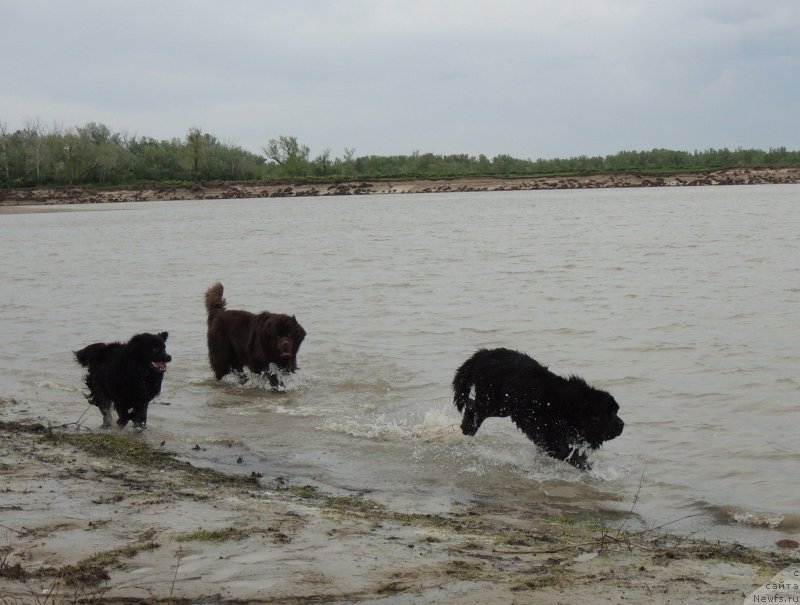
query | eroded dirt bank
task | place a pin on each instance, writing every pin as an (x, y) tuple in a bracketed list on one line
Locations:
[(74, 195), (100, 517)]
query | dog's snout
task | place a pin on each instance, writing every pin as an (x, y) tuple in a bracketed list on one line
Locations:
[(468, 428)]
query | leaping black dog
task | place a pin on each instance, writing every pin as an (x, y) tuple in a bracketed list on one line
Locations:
[(557, 414), (127, 376)]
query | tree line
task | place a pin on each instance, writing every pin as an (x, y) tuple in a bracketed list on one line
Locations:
[(37, 155)]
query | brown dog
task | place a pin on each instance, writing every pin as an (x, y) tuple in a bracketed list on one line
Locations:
[(264, 342)]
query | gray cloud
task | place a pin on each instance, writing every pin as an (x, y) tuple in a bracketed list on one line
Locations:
[(532, 79)]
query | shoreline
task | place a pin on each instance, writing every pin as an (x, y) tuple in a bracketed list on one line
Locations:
[(41, 196), (104, 517)]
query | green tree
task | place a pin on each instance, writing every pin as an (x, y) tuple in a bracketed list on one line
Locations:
[(323, 163), (290, 155), (33, 135), (153, 160), (75, 156), (197, 147), (5, 176)]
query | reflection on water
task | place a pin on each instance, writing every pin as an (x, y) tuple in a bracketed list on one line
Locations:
[(681, 303)]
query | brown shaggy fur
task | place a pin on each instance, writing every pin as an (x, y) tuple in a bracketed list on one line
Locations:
[(239, 339)]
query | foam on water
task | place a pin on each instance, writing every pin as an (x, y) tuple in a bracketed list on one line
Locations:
[(757, 519), (434, 427), (55, 386)]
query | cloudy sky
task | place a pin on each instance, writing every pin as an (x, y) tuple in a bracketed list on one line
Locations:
[(531, 78)]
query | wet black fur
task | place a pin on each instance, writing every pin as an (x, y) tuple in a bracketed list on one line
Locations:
[(124, 375), (555, 413)]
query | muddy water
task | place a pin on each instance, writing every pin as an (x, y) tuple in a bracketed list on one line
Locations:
[(683, 303)]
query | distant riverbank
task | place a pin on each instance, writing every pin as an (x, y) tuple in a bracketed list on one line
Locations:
[(84, 195)]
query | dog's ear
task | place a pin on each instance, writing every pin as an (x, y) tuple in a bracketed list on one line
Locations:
[(300, 332), (163, 335)]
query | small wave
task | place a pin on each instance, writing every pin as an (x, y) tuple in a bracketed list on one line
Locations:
[(225, 441), (762, 519), (436, 426), (757, 519), (50, 384), (353, 384), (567, 332), (605, 472), (662, 347), (257, 382), (612, 382), (204, 380), (474, 330), (440, 430), (534, 465), (790, 521), (439, 426)]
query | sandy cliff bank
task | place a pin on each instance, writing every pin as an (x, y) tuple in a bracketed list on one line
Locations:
[(72, 195)]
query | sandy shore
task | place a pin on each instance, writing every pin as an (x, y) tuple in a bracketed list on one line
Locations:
[(102, 517), (74, 195)]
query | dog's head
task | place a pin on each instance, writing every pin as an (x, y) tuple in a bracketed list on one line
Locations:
[(580, 417), (597, 419), (150, 351), (280, 337)]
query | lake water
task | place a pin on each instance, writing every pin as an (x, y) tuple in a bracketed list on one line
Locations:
[(683, 303)]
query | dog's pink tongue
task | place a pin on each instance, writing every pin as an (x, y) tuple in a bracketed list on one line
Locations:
[(160, 366)]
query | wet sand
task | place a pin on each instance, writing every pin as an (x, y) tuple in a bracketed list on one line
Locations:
[(102, 517), (11, 198)]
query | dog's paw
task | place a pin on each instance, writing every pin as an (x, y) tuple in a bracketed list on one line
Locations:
[(578, 458), (274, 376), (108, 419)]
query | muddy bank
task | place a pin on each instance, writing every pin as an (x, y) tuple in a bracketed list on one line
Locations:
[(102, 517), (75, 195)]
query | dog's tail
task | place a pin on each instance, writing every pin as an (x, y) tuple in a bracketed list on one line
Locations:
[(93, 354), (215, 303), (462, 384)]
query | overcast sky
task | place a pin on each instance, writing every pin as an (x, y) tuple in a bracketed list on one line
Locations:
[(530, 78)]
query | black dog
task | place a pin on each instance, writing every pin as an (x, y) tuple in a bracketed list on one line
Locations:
[(265, 342), (558, 414), (126, 375)]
